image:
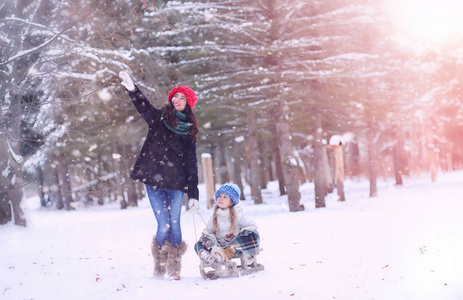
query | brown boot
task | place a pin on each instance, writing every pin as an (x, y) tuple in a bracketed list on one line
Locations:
[(221, 256), (160, 258), (174, 261)]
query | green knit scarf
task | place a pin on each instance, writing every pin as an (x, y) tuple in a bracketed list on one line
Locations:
[(181, 126)]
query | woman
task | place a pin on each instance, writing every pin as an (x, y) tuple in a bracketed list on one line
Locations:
[(168, 167)]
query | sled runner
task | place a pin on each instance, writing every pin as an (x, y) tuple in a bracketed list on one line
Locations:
[(234, 267)]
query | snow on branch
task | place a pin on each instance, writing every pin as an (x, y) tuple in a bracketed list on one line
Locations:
[(35, 49), (10, 19), (46, 43)]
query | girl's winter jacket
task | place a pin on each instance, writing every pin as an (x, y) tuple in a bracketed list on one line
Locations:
[(167, 160), (225, 234)]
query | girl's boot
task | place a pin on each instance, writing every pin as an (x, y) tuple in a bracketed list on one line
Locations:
[(174, 264), (160, 258)]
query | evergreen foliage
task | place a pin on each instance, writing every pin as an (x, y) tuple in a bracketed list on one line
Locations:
[(334, 66)]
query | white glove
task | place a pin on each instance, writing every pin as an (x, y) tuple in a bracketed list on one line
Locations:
[(193, 205), (127, 81)]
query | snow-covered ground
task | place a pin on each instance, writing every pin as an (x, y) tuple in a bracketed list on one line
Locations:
[(406, 243)]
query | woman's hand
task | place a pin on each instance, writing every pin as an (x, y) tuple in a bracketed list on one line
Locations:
[(193, 205), (127, 81)]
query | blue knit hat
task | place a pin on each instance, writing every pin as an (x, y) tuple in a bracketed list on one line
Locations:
[(231, 190)]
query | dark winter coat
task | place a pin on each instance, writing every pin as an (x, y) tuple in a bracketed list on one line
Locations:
[(167, 160)]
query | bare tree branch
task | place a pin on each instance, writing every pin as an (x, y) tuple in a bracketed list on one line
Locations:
[(32, 50), (43, 45), (18, 20)]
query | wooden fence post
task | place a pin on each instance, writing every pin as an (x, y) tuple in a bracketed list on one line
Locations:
[(336, 142)]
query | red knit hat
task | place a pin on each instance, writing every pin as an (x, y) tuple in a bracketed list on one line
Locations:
[(190, 95)]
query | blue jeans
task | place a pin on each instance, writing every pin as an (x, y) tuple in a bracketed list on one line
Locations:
[(167, 207)]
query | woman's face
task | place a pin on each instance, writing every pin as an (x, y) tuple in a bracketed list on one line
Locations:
[(224, 201), (179, 101)]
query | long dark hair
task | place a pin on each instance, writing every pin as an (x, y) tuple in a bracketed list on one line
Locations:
[(170, 118)]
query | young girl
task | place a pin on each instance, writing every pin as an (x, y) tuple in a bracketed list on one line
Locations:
[(229, 231), (167, 166)]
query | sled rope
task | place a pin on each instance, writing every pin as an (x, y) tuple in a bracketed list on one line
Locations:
[(201, 218), (194, 222), (194, 226)]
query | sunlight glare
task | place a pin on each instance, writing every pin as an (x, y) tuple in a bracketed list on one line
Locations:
[(430, 20)]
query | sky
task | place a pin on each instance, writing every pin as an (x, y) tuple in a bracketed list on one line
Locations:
[(406, 243)]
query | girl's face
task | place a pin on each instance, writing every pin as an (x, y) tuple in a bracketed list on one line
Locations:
[(179, 101), (224, 201)]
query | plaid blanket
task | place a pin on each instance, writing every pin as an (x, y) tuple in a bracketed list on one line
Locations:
[(247, 241)]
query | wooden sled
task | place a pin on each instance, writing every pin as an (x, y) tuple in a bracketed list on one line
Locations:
[(234, 267)]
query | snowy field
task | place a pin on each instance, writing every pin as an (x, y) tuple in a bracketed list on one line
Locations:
[(407, 243)]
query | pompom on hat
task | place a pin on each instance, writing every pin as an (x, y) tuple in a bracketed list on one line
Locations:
[(232, 190), (190, 95)]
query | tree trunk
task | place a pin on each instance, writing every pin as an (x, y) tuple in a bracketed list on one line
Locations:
[(254, 156), (398, 156), (55, 187), (5, 181), (65, 182), (11, 162), (40, 182), (14, 177), (289, 165), (100, 186), (215, 149), (129, 185), (119, 182), (431, 154), (132, 194), (372, 160), (12, 77), (353, 161), (262, 163), (396, 163), (278, 164), (88, 192), (222, 162), (237, 166), (319, 177), (306, 161), (404, 163), (270, 166)]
